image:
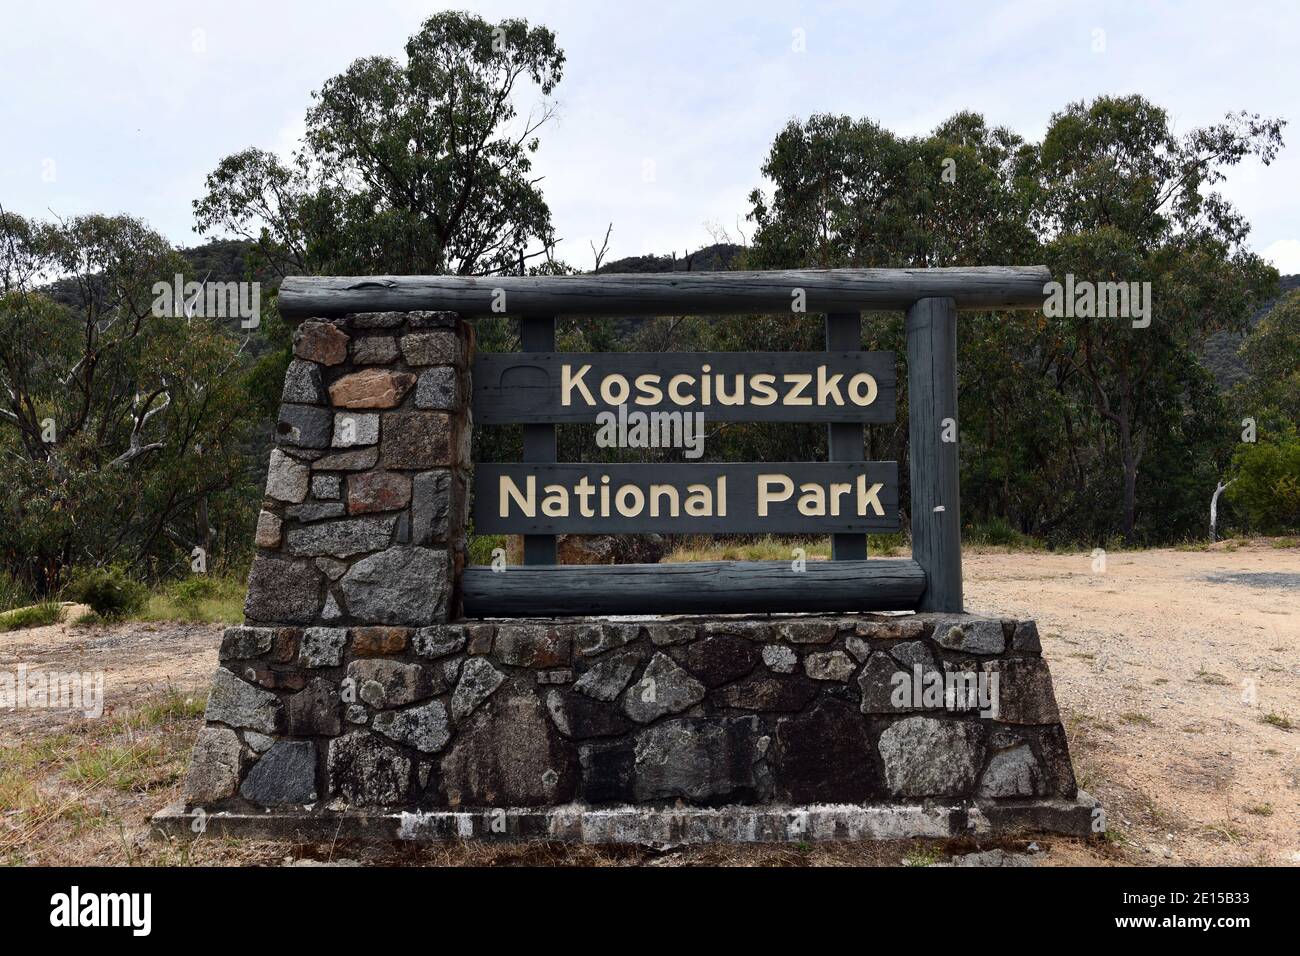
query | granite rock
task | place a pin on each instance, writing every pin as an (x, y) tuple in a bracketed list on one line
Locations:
[(237, 703), (214, 766), (287, 479), (283, 590), (478, 681), (664, 688), (424, 727), (509, 754), (366, 772), (402, 585), (322, 646), (285, 774), (929, 757), (718, 659), (320, 342)]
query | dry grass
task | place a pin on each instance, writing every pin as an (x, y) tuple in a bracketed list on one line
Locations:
[(68, 796), (776, 548), (82, 795)]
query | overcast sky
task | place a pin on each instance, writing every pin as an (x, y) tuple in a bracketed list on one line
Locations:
[(125, 107)]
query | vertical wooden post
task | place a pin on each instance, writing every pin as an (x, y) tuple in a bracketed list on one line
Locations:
[(932, 414), (537, 334), (844, 439)]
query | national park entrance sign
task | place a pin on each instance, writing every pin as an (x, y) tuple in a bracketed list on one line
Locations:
[(381, 687)]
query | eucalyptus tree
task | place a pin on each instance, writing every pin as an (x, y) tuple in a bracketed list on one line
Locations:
[(116, 422), (421, 165)]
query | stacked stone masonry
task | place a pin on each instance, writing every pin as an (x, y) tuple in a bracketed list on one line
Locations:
[(696, 711), (365, 509)]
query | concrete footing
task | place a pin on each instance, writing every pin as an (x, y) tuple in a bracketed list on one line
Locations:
[(644, 825)]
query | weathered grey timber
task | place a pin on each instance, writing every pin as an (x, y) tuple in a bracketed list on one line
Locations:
[(844, 442), (742, 497), (717, 587), (932, 450), (537, 334), (525, 387), (678, 293)]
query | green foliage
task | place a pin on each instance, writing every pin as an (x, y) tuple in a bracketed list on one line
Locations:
[(996, 532), (1271, 392), (853, 193), (1071, 426), (1267, 485), (1125, 200), (413, 167), (110, 592), (189, 592), (481, 547), (121, 423)]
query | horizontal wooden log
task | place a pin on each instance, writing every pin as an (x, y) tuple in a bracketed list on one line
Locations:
[(527, 387), (730, 487), (672, 293), (707, 587)]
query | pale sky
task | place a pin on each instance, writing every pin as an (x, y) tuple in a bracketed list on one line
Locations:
[(125, 107)]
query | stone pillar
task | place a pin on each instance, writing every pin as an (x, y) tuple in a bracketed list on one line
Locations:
[(360, 543), (366, 498)]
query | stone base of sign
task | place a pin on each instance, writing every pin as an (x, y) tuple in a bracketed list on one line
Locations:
[(663, 729), (647, 826)]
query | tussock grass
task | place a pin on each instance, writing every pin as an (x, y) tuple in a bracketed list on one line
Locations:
[(169, 706), (925, 855), (13, 593), (1280, 721), (766, 548), (209, 599), (37, 615), (63, 786), (1135, 717)]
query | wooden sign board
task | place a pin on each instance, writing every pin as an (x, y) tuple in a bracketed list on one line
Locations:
[(714, 498), (554, 387)]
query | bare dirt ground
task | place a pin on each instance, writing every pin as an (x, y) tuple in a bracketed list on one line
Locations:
[(1178, 673)]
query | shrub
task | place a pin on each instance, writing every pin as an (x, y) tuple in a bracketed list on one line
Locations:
[(110, 592), (997, 532), (191, 592), (481, 547), (1268, 483)]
